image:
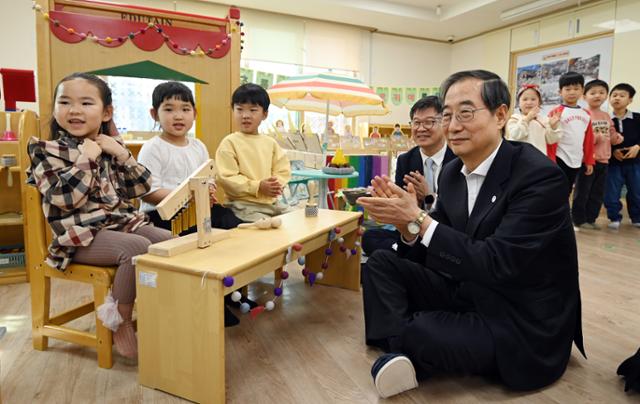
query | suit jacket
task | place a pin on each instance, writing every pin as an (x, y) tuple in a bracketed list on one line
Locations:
[(515, 256), (412, 161)]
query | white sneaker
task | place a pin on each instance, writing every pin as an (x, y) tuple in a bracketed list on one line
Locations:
[(393, 374), (614, 225)]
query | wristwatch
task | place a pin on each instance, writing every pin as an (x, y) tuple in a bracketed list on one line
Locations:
[(414, 227), (429, 199)]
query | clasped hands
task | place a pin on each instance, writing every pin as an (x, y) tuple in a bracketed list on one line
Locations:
[(103, 144), (391, 204)]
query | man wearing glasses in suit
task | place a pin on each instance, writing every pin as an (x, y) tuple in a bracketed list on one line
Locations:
[(492, 284), (419, 166)]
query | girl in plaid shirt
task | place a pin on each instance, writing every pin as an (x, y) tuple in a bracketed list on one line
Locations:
[(87, 180)]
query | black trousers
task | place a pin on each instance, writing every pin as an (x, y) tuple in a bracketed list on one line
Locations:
[(379, 239), (588, 195), (221, 218), (415, 311), (569, 172)]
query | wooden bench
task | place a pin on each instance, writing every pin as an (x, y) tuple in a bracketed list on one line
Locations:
[(180, 299)]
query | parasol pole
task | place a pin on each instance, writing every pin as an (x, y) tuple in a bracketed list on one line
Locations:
[(325, 136)]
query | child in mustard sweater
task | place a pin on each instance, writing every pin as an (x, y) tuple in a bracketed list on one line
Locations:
[(252, 168)]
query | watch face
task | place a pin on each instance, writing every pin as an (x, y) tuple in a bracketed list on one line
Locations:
[(413, 227), (429, 199)]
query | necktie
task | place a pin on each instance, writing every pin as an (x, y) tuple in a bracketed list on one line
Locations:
[(429, 171)]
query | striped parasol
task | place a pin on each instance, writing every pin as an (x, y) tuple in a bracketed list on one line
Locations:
[(327, 93)]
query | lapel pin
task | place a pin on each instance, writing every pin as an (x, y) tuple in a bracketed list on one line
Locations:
[(493, 199)]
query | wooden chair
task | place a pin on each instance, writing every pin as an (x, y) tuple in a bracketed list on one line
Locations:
[(45, 325)]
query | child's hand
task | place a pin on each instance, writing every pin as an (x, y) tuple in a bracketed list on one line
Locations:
[(213, 199), (588, 170), (270, 187), (90, 149), (110, 146), (554, 119), (618, 154), (632, 152), (533, 114)]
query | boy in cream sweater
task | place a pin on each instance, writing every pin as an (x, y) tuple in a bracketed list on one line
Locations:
[(252, 168)]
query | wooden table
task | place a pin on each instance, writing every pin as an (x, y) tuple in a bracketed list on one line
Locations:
[(180, 301)]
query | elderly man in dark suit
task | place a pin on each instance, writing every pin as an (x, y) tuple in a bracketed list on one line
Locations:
[(420, 166), (492, 284)]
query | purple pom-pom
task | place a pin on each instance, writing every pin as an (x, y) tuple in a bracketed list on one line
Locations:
[(284, 275), (227, 281), (277, 291), (312, 278), (325, 265), (354, 251), (328, 251)]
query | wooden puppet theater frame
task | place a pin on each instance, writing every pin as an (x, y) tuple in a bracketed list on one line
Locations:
[(85, 36)]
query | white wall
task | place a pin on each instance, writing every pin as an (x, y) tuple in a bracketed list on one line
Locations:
[(406, 62), (626, 44), (489, 52), (18, 33)]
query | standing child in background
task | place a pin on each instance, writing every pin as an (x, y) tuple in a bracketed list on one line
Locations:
[(528, 125), (624, 164), (173, 156), (87, 180), (575, 145), (375, 134), (587, 197), (252, 169)]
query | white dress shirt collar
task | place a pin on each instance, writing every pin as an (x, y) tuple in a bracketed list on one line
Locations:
[(484, 167)]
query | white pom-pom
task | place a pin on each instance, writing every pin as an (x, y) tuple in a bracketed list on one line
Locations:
[(341, 240), (319, 276), (236, 296), (244, 308), (268, 306), (357, 243), (276, 222), (108, 313)]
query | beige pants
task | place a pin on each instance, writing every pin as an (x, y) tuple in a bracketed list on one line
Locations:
[(250, 211)]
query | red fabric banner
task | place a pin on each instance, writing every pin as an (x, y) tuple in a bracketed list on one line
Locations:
[(111, 32)]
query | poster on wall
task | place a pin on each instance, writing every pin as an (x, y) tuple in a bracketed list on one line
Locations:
[(396, 95), (264, 79), (383, 92), (590, 58), (410, 94), (246, 76)]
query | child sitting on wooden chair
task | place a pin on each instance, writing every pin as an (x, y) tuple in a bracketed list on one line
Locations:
[(88, 179), (173, 156), (252, 169)]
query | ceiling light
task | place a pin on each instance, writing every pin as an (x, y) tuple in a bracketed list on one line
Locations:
[(528, 8)]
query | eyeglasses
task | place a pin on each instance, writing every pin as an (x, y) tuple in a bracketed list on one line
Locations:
[(464, 115), (428, 124)]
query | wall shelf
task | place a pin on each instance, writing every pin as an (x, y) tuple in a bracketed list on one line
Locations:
[(11, 219)]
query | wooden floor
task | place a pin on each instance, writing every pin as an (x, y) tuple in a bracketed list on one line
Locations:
[(311, 350)]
